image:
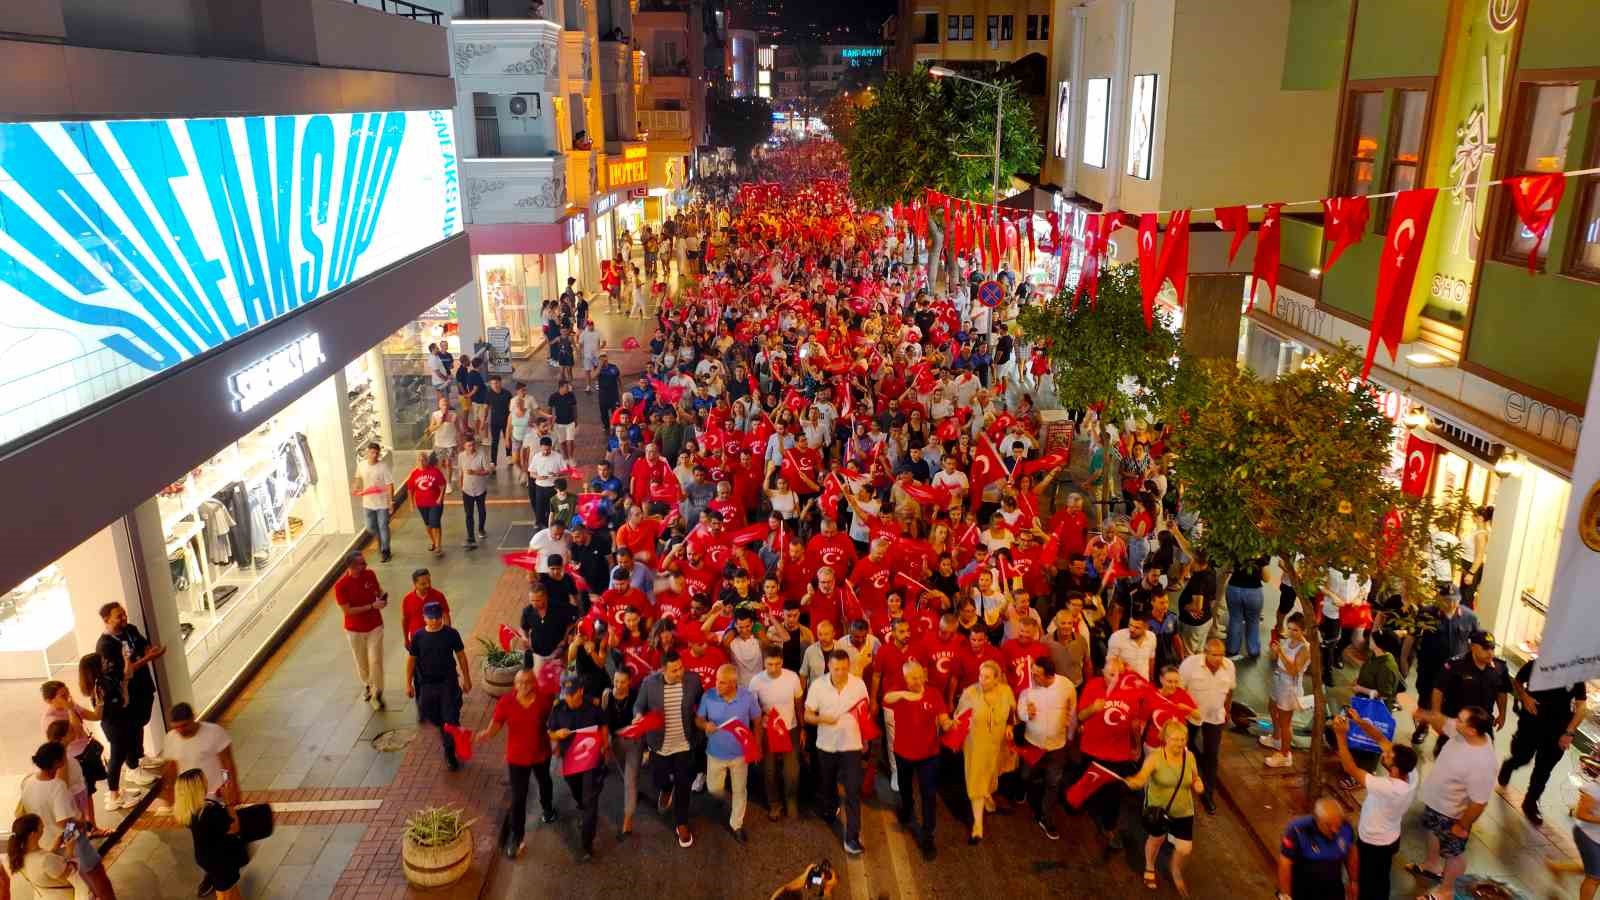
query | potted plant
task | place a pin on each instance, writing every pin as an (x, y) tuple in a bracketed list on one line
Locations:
[(500, 667), (436, 848)]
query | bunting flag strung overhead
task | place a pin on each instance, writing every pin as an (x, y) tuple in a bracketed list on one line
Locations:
[(1397, 269), (1090, 272), (1268, 247), (1171, 263), (1536, 198), (1237, 220), (1344, 222)]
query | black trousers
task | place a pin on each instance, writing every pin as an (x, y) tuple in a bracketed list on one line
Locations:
[(919, 776), (586, 788), (1105, 805), (834, 769), (515, 824), (608, 405), (497, 432), (1044, 781), (125, 734), (1375, 864), (539, 498), (677, 772), (1542, 747), (1206, 743), (470, 503)]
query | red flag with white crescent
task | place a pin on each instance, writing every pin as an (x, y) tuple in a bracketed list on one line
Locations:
[(1237, 220), (778, 737), (1344, 223), (1536, 198), (1269, 245), (748, 745), (1397, 270), (584, 751), (1419, 465)]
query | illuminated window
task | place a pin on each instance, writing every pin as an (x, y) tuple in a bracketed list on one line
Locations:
[(1097, 99), (1141, 125), (1039, 28), (1543, 134), (1365, 124)]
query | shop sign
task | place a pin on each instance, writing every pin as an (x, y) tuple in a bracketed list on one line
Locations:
[(632, 168), (271, 374), (134, 246)]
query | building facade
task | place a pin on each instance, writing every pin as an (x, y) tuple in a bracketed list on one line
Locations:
[(962, 31), (214, 228)]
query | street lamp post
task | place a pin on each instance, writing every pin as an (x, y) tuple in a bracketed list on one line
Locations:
[(999, 99)]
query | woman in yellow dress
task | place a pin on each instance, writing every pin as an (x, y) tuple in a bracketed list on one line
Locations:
[(993, 707)]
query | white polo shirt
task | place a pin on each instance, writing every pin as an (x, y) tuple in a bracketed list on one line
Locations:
[(777, 693), (1385, 805), (1209, 689), (544, 468), (1137, 654), (824, 699)]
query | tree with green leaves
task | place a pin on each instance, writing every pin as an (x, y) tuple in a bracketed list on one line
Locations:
[(1021, 149), (1294, 468), (743, 123)]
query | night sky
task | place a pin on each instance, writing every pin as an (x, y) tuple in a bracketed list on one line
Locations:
[(863, 17)]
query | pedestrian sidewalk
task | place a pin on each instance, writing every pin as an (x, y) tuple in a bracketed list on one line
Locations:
[(1504, 845)]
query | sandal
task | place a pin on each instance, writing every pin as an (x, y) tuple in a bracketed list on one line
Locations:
[(1150, 879), (1416, 870)]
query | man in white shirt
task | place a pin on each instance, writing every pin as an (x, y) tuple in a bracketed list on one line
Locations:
[(551, 542), (544, 467), (778, 690), (951, 478), (1046, 708), (814, 662), (1135, 645), (830, 705), (375, 487), (1389, 795), (475, 467), (201, 745), (1457, 790), (1209, 678)]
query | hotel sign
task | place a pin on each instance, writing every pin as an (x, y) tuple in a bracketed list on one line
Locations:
[(630, 169)]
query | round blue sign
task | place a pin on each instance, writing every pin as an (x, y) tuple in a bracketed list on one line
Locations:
[(990, 293)]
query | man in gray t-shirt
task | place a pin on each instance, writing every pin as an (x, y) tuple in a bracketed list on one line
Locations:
[(475, 471)]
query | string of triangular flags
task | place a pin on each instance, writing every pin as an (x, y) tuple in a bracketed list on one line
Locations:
[(995, 233)]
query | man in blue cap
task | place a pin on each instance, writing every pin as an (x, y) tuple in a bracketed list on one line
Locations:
[(437, 675)]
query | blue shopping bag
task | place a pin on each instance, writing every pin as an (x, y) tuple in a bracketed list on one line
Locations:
[(1376, 712)]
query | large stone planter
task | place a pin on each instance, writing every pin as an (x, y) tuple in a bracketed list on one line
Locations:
[(429, 867), (499, 680)]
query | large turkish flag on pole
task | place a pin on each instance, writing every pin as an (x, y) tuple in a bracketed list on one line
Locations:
[(1397, 269), (1419, 463)]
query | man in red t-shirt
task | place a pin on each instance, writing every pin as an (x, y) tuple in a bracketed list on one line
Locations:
[(939, 651), (918, 713), (1070, 527), (426, 486), (640, 534), (793, 573), (358, 594), (974, 655), (1167, 703), (1111, 713), (621, 597), (832, 548), (701, 658), (648, 472), (673, 603), (824, 601), (422, 593), (871, 577), (1020, 652), (522, 713)]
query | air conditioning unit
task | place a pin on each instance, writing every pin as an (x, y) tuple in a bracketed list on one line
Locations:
[(524, 106)]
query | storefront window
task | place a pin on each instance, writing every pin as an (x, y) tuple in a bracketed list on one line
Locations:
[(1534, 550), (251, 530), (512, 286), (405, 395)]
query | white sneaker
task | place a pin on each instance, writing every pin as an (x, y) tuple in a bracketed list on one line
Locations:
[(1268, 740), (1280, 761), (139, 777), (128, 800), (699, 785)]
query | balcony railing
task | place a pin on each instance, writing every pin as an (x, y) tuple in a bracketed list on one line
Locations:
[(679, 69), (404, 9), (665, 123)]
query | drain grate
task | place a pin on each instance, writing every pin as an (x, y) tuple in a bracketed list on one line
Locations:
[(517, 536), (394, 740)]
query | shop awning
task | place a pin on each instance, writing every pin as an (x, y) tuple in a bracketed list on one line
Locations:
[(544, 237)]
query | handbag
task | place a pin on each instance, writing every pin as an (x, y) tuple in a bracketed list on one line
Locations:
[(255, 821), (1157, 820)]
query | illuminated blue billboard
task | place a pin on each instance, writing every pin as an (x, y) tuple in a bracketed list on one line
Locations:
[(129, 247)]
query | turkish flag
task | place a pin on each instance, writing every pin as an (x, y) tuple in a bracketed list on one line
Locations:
[(927, 494), (1090, 270), (1029, 754), (748, 745), (507, 635), (1397, 269), (522, 559), (987, 468), (957, 735), (1175, 253), (1171, 262), (1393, 523), (1044, 463), (1344, 223), (750, 534), (1536, 198), (668, 491), (590, 511), (584, 750), (462, 739), (778, 737), (549, 677), (1269, 245), (1093, 779), (1237, 220), (1419, 465), (863, 714)]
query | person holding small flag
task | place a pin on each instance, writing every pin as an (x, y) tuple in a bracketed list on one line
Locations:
[(728, 715), (437, 675), (1046, 709), (673, 694), (523, 713), (834, 704), (782, 701), (577, 727), (920, 714)]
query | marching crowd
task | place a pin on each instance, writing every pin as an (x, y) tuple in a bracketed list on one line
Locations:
[(824, 541), (830, 536)]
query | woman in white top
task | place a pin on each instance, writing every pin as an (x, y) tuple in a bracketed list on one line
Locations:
[(444, 427), (783, 500), (521, 416), (50, 874), (1290, 656)]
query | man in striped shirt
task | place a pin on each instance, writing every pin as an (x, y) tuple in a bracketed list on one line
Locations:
[(672, 749)]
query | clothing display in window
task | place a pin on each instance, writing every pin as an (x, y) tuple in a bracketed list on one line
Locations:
[(218, 525), (236, 500)]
